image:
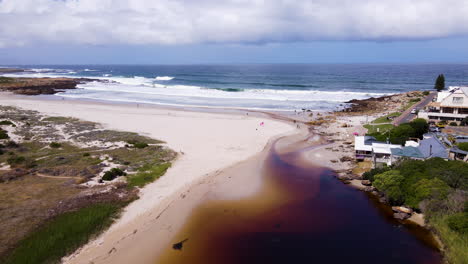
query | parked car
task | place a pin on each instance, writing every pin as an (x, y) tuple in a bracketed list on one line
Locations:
[(434, 129), (414, 111)]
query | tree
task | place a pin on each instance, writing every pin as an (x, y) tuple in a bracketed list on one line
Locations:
[(440, 83), (389, 183)]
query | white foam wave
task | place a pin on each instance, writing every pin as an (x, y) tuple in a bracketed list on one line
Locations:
[(142, 86), (89, 70), (164, 78)]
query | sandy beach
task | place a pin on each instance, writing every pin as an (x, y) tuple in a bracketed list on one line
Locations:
[(207, 143)]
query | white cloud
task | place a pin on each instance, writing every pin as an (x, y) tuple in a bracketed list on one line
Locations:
[(232, 21)]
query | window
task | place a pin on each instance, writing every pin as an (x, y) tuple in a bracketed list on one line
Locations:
[(457, 100)]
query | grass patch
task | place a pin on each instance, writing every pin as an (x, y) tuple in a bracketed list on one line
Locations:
[(147, 174), (456, 243), (60, 119), (64, 234), (384, 119), (378, 128)]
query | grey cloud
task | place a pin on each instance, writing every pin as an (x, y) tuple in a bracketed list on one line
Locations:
[(234, 21)]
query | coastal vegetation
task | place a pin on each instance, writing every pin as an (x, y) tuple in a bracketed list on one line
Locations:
[(435, 187), (401, 133), (74, 177), (63, 234)]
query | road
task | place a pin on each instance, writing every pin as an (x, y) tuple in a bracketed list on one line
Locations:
[(407, 116)]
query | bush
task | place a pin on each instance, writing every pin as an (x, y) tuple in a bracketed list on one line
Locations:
[(6, 122), (3, 134), (426, 93), (453, 124), (464, 122), (369, 175), (112, 174), (390, 183), (55, 145), (11, 144), (458, 223), (16, 160), (140, 145), (86, 154)]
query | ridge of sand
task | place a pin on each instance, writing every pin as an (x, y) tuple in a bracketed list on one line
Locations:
[(206, 142)]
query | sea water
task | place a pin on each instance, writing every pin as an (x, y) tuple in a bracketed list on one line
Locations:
[(255, 86)]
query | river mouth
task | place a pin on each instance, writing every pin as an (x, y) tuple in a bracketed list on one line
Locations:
[(302, 214)]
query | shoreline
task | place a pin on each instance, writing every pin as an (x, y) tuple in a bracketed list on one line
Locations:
[(194, 165), (334, 132)]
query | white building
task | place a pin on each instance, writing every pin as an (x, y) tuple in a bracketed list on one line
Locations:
[(450, 106)]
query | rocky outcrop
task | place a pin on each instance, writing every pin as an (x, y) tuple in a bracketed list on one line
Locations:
[(36, 86), (401, 213)]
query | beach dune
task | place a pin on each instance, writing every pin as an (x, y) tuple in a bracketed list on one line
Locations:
[(207, 143)]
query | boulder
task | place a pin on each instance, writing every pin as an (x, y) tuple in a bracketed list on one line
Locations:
[(401, 216), (402, 209), (369, 189), (366, 182)]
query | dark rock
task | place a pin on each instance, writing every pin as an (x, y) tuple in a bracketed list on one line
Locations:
[(369, 188), (366, 182), (401, 216)]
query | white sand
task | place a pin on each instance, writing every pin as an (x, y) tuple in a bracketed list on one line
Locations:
[(209, 142)]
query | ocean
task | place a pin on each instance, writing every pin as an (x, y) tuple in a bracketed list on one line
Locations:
[(255, 86)]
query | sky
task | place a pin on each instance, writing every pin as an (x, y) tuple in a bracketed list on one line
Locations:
[(233, 31)]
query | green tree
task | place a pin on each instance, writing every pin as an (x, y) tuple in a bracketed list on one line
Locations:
[(440, 83), (420, 127), (427, 189), (389, 183), (401, 133)]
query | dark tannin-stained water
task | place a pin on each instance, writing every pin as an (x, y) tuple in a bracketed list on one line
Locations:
[(303, 215)]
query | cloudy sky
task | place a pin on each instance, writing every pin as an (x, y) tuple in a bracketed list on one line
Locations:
[(232, 31)]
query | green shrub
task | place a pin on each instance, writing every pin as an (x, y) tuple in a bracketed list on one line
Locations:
[(55, 145), (426, 93), (137, 144), (86, 154), (458, 222), (112, 174), (6, 122), (415, 100), (140, 145), (390, 182), (427, 189), (453, 124), (3, 134), (16, 160), (369, 175), (11, 144)]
